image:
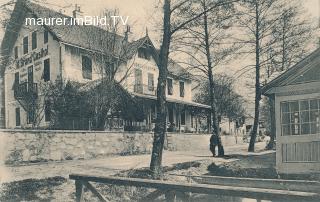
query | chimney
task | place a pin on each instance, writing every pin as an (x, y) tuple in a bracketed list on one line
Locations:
[(127, 32), (77, 13)]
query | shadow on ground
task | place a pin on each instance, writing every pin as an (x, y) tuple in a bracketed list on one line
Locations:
[(30, 189), (253, 166), (256, 166)]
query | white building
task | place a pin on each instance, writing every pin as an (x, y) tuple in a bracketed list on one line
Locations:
[(37, 54), (295, 117)]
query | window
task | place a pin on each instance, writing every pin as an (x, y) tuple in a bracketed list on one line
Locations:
[(16, 53), (183, 117), (25, 45), (181, 85), (144, 53), (150, 82), (30, 75), (30, 116), (46, 70), (2, 112), (18, 121), (47, 111), (34, 40), (138, 81), (169, 86), (300, 117), (86, 67), (45, 36), (16, 80)]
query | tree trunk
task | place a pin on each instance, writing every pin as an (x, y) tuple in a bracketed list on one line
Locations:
[(283, 59), (271, 143), (214, 117), (257, 85), (160, 127)]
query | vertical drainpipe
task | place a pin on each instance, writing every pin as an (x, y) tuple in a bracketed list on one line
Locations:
[(60, 60)]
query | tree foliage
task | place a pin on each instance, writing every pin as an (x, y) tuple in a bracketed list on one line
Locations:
[(229, 103)]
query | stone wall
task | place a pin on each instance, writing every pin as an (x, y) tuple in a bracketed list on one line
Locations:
[(18, 146), (33, 146)]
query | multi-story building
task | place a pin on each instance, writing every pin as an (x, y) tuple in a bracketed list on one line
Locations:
[(38, 54)]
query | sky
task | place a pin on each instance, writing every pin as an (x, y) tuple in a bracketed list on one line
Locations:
[(143, 14)]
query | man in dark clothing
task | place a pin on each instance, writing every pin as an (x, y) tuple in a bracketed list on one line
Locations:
[(215, 140)]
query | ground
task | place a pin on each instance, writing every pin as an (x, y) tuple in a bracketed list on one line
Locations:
[(49, 181)]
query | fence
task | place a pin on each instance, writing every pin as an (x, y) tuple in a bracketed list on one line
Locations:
[(170, 189)]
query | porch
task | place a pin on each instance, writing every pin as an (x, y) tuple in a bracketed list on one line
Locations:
[(182, 116)]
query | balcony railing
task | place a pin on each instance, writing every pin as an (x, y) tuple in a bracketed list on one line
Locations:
[(26, 89), (144, 89)]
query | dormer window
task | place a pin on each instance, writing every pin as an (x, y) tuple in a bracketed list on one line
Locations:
[(144, 53), (25, 45), (34, 40), (86, 67)]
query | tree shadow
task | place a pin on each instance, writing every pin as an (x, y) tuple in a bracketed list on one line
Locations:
[(258, 166), (29, 189)]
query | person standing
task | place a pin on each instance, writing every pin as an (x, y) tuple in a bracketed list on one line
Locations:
[(215, 140)]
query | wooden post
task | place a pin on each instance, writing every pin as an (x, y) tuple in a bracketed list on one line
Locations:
[(170, 196), (79, 191)]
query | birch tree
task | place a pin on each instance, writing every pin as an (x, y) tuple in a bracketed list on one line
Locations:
[(208, 38), (256, 19), (292, 33)]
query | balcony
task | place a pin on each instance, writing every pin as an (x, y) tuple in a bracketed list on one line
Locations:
[(26, 90), (144, 89)]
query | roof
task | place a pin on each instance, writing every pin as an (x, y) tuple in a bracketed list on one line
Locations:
[(84, 36), (11, 34), (177, 70), (284, 78), (171, 100)]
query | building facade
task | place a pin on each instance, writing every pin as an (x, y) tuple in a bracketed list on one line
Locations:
[(41, 54), (295, 98)]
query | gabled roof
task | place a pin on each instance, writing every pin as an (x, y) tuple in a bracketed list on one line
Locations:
[(293, 73), (12, 30), (84, 36), (177, 70)]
